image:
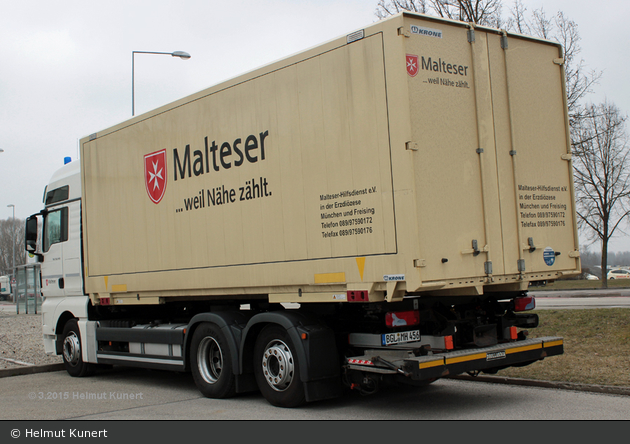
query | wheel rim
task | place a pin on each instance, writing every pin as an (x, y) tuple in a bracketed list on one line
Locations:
[(210, 360), (277, 365), (72, 349)]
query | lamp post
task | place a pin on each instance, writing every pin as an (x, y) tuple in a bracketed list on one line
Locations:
[(13, 270), (181, 54)]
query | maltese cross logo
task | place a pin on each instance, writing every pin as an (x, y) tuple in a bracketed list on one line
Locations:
[(155, 175), (412, 65)]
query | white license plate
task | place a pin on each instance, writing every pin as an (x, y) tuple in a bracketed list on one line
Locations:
[(400, 337)]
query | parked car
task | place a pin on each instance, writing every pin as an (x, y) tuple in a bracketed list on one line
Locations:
[(619, 274)]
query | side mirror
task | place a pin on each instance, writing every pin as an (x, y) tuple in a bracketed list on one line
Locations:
[(30, 235)]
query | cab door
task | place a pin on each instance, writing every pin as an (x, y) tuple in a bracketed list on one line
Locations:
[(55, 233), (61, 246)]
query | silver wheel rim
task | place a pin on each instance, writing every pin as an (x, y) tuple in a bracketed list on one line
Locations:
[(72, 349), (277, 365), (210, 360)]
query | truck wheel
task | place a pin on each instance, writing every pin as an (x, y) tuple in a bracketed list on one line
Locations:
[(211, 362), (277, 369), (72, 351)]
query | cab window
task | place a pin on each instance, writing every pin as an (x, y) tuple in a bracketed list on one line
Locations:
[(55, 227)]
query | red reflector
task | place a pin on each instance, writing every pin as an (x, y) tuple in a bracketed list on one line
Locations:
[(524, 303), (105, 301), (402, 318), (448, 343), (358, 296), (513, 334)]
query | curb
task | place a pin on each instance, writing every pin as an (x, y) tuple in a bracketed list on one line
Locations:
[(4, 373), (606, 389)]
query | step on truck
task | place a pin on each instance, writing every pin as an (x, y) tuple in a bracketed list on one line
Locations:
[(370, 211)]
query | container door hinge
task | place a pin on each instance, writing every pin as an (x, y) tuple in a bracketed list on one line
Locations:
[(566, 157), (574, 254), (530, 245), (487, 266), (419, 263), (471, 36), (411, 146), (558, 61), (402, 31), (475, 250), (521, 265), (504, 42), (479, 150)]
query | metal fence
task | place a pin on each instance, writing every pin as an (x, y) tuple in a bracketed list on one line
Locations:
[(27, 292)]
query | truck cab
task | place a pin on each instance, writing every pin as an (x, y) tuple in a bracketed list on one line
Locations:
[(59, 250)]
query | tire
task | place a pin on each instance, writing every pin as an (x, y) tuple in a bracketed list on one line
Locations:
[(277, 369), (72, 351), (211, 362)]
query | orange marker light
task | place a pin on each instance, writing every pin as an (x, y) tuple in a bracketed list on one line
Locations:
[(448, 342)]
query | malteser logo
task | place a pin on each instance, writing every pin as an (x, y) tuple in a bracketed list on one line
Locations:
[(155, 175), (412, 64)]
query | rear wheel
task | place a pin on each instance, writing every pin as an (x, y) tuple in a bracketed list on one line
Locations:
[(72, 351), (277, 369), (211, 362)]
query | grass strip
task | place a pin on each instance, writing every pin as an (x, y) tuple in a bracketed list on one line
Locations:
[(596, 347)]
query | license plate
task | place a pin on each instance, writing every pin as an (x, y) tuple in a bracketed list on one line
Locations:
[(495, 355), (400, 337)]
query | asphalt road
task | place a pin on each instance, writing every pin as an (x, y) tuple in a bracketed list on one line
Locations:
[(581, 299), (134, 394)]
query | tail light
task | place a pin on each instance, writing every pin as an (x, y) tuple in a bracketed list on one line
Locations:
[(402, 318), (524, 303)]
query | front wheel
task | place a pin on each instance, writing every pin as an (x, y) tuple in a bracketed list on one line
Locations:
[(72, 351), (211, 362), (277, 369)]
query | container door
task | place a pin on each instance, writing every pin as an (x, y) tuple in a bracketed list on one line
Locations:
[(455, 163), (535, 173), (492, 166)]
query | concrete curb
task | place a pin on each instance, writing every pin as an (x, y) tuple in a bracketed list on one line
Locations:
[(4, 373), (607, 389)]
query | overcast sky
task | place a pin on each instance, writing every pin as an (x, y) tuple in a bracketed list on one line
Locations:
[(65, 66)]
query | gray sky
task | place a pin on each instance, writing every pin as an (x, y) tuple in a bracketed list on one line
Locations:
[(65, 69)]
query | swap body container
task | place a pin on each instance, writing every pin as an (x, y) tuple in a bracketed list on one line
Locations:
[(415, 156)]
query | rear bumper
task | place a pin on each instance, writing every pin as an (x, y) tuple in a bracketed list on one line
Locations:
[(453, 363)]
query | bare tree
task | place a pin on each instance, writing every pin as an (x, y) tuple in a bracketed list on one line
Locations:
[(579, 81), (6, 244), (483, 12), (602, 175), (386, 8)]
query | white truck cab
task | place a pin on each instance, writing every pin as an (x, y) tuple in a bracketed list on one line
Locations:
[(61, 274)]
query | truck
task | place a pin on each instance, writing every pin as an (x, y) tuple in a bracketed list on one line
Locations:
[(5, 288), (368, 212)]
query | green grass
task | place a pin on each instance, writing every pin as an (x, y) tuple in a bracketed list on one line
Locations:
[(596, 347), (582, 285)]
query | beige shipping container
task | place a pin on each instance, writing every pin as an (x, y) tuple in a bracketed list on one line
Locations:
[(416, 155)]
